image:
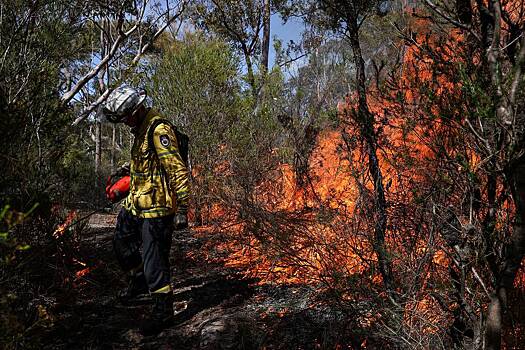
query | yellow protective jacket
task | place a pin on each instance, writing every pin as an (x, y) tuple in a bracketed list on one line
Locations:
[(159, 180)]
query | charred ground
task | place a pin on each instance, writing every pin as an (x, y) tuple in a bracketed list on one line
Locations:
[(216, 307)]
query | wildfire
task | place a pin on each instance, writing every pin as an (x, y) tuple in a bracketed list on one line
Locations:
[(82, 272), (86, 270), (519, 282), (329, 234), (67, 222)]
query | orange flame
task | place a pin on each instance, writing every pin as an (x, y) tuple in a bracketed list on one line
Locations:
[(62, 227), (82, 272), (325, 249)]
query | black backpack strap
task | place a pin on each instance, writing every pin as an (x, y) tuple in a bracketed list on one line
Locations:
[(151, 132), (182, 139), (183, 142)]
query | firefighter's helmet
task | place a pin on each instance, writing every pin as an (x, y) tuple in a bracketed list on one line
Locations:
[(122, 102)]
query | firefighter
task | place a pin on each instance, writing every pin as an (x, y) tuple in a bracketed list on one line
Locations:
[(156, 204)]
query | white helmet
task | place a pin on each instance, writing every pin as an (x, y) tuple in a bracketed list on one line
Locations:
[(122, 102)]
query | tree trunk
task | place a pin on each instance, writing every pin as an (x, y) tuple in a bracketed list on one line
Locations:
[(102, 86), (98, 148), (249, 67), (266, 38), (515, 248), (365, 120), (113, 146), (264, 55), (515, 251)]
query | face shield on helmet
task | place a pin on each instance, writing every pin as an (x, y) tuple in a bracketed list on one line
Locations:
[(122, 103)]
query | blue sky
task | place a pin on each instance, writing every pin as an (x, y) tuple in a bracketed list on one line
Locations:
[(292, 30)]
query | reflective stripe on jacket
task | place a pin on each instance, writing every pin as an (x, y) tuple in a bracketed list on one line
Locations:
[(159, 180)]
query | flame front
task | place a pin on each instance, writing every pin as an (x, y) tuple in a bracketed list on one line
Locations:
[(320, 232)]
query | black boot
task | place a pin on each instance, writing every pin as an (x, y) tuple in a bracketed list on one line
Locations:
[(137, 286), (161, 315)]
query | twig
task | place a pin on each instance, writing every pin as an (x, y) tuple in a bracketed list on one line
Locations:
[(482, 139), (92, 107), (519, 67), (291, 60), (82, 219), (451, 20), (480, 281), (159, 31), (512, 42), (89, 109)]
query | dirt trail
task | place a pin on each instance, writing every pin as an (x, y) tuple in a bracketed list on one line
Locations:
[(215, 307)]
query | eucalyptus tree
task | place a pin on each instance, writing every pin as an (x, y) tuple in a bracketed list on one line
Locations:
[(346, 17), (246, 26)]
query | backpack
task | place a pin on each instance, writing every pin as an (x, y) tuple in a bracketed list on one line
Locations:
[(183, 141)]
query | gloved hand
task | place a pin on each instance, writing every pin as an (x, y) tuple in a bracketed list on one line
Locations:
[(181, 218)]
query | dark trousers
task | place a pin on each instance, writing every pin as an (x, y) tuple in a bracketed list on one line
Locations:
[(154, 235)]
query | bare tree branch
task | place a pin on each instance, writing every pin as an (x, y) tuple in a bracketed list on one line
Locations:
[(519, 71), (437, 10), (112, 54), (92, 107), (292, 60), (169, 21), (86, 78)]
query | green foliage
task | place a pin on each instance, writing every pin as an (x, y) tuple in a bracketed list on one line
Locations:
[(196, 84), (197, 75), (478, 99), (320, 83), (37, 39), (9, 245), (11, 325)]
